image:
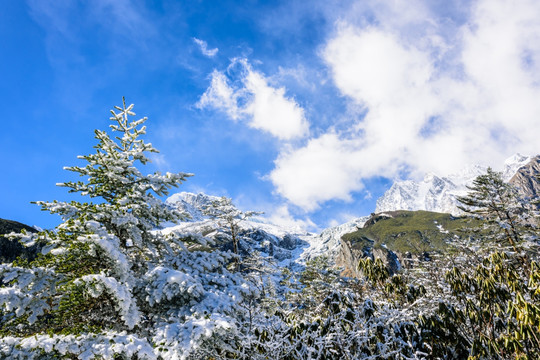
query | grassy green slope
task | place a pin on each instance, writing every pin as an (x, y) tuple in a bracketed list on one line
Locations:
[(413, 231)]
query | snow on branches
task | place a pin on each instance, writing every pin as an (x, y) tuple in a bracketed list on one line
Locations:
[(106, 283)]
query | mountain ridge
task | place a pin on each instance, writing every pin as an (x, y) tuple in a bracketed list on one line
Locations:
[(439, 193)]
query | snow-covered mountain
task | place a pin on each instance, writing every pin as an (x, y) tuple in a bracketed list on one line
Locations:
[(191, 203), (438, 193), (290, 246), (287, 245), (328, 242)]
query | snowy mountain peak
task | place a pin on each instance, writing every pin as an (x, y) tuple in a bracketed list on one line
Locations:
[(513, 164), (517, 159), (429, 177), (438, 193), (191, 203)]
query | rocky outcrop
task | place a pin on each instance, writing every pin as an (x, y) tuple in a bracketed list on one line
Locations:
[(11, 249), (527, 180), (349, 255), (389, 258), (352, 251)]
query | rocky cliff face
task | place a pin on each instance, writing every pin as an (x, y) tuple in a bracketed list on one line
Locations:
[(351, 252), (526, 179)]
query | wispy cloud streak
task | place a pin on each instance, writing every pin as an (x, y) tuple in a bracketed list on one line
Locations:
[(204, 48)]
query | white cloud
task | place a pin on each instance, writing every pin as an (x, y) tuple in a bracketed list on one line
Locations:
[(264, 107), (272, 111), (372, 67), (435, 100), (322, 170), (204, 48), (281, 216), (221, 96)]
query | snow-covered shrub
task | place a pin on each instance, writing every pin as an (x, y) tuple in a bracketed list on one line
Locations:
[(326, 316)]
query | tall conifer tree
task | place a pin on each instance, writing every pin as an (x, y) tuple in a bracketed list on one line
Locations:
[(108, 282)]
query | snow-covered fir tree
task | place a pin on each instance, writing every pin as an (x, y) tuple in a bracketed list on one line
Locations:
[(229, 218), (107, 283), (498, 203)]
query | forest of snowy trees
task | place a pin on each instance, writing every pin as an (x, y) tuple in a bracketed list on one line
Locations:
[(109, 285)]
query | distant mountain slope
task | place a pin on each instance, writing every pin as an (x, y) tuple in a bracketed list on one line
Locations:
[(400, 238), (526, 179), (191, 203), (410, 231), (10, 249), (328, 242), (287, 245), (438, 193)]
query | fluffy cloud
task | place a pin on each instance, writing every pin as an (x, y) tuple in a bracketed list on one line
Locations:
[(372, 67), (434, 100), (281, 216), (264, 107), (221, 96), (324, 169)]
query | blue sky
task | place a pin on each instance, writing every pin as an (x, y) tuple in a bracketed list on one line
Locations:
[(303, 109)]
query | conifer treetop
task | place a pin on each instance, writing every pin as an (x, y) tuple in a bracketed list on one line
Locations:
[(111, 171), (129, 206)]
